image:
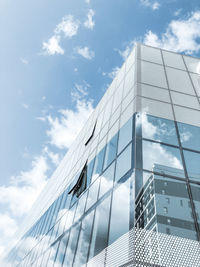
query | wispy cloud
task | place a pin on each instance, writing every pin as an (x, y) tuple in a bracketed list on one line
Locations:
[(112, 74), (178, 12), (65, 127), (80, 91), (52, 46), (89, 23), (67, 27), (26, 106), (129, 47), (85, 52), (87, 1), (180, 35), (154, 5), (24, 61)]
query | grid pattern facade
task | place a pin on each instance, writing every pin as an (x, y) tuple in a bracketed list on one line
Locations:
[(139, 158)]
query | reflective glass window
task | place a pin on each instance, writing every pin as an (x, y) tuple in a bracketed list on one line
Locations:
[(196, 82), (185, 100), (111, 149), (107, 179), (151, 54), (80, 206), (69, 255), (153, 74), (159, 129), (84, 240), (196, 199), (92, 194), (192, 161), (70, 217), (189, 135), (100, 230), (61, 250), (125, 135), (154, 92), (179, 81), (186, 115), (129, 80), (119, 223), (193, 64), (173, 60), (161, 158), (123, 164), (98, 164), (179, 218)]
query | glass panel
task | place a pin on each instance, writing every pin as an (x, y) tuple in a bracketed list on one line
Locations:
[(120, 213), (130, 60), (123, 164), (125, 135), (81, 206), (196, 82), (129, 80), (118, 96), (70, 217), (179, 81), (161, 158), (84, 240), (156, 108), (61, 251), (159, 129), (107, 179), (89, 171), (153, 74), (173, 60), (98, 164), (111, 149), (192, 161), (189, 135), (155, 92), (151, 54), (73, 237), (93, 194), (193, 64), (173, 195), (100, 230), (196, 199), (185, 100), (187, 115)]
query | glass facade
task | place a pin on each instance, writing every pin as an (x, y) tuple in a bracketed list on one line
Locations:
[(135, 164)]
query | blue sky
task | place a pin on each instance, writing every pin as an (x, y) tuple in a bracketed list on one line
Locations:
[(57, 59)]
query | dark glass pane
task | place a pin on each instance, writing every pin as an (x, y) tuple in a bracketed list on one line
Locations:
[(158, 129), (98, 164), (84, 240), (189, 135), (69, 255), (100, 230), (125, 135), (107, 179), (196, 199), (192, 161), (161, 158), (123, 164), (111, 149), (92, 194), (120, 212)]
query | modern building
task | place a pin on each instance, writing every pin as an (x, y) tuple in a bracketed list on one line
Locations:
[(127, 193)]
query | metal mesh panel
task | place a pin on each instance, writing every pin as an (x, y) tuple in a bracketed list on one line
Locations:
[(141, 248)]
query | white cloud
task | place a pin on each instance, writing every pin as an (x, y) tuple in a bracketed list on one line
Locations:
[(85, 52), (69, 26), (87, 1), (54, 157), (64, 129), (178, 12), (79, 91), (52, 46), (129, 47), (180, 35), (18, 197), (112, 74), (89, 23), (148, 3)]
